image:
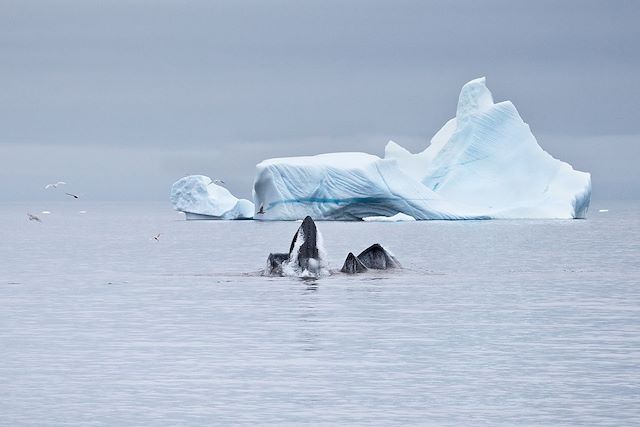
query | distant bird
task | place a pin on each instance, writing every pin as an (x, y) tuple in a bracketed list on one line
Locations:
[(82, 212), (45, 212), (217, 181), (33, 218), (157, 237), (261, 211), (603, 210), (72, 195), (46, 187)]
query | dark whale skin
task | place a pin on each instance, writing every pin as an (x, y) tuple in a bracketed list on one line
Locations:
[(353, 265), (377, 258), (309, 248), (274, 262)]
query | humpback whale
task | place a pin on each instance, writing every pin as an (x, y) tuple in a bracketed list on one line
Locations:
[(303, 251), (305, 255), (374, 257)]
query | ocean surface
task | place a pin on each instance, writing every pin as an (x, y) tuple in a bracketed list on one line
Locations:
[(489, 323)]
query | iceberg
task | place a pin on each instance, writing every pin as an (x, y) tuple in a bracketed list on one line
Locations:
[(200, 198), (483, 164)]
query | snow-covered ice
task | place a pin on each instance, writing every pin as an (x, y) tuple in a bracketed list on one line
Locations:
[(399, 217), (200, 198), (484, 163)]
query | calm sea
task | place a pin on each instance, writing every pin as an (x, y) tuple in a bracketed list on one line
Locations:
[(489, 323)]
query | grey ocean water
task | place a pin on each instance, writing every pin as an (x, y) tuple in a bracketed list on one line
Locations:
[(490, 322)]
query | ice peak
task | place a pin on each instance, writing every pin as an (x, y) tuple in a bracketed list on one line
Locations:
[(474, 97), (393, 149)]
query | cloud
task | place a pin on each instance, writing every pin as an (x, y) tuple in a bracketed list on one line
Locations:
[(205, 82)]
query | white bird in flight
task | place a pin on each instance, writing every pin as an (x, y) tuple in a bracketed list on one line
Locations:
[(46, 187), (33, 218)]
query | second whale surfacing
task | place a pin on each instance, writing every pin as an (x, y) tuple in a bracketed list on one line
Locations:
[(374, 257)]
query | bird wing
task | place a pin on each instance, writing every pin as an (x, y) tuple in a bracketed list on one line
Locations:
[(48, 186)]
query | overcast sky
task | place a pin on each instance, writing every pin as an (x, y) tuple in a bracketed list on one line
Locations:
[(122, 98)]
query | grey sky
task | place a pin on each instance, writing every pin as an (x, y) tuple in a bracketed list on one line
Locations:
[(121, 98)]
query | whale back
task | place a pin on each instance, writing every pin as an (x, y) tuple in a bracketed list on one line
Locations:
[(376, 257)]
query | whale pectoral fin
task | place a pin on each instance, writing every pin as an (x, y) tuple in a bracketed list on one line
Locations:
[(353, 265)]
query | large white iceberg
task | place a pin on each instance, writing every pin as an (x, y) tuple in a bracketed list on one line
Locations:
[(200, 198), (485, 163)]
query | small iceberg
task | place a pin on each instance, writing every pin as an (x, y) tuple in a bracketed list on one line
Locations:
[(201, 198)]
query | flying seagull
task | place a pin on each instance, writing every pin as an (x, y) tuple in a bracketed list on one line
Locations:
[(46, 187), (33, 218), (261, 211), (157, 237), (72, 195), (216, 181)]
